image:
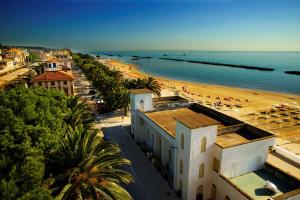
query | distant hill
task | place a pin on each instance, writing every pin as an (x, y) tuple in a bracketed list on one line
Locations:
[(28, 47)]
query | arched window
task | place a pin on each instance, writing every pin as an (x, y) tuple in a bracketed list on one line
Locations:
[(227, 198), (201, 171), (180, 188), (213, 192), (142, 105), (182, 141), (181, 166), (199, 193), (203, 144), (170, 156)]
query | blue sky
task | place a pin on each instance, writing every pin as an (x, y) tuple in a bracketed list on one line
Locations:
[(152, 24)]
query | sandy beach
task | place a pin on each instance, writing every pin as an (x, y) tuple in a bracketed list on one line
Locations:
[(251, 106)]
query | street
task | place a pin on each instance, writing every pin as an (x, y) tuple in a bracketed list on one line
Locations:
[(148, 184)]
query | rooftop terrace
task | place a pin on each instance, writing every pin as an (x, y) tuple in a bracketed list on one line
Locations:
[(167, 119), (231, 132), (252, 184)]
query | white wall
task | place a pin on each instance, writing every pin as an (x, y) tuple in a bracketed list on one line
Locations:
[(167, 141), (224, 189), (193, 158), (135, 100), (242, 159)]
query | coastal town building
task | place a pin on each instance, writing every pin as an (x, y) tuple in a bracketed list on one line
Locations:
[(56, 64), (6, 64), (55, 80), (205, 154), (19, 56), (52, 64)]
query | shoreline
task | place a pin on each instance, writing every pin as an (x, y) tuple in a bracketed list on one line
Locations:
[(237, 101)]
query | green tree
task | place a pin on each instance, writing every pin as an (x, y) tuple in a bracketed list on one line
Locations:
[(78, 112), (90, 168), (30, 129), (33, 57), (113, 88), (149, 83)]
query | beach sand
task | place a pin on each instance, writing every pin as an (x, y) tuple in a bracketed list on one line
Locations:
[(245, 104), (250, 100)]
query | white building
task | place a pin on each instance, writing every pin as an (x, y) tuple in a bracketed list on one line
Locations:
[(204, 154), (55, 64)]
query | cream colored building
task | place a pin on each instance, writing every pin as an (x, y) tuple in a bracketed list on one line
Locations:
[(6, 64), (204, 154), (55, 80), (19, 56)]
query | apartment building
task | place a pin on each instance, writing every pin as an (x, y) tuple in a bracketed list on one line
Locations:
[(205, 154)]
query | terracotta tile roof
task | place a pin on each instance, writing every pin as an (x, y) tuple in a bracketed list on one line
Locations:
[(52, 59), (15, 50), (53, 76), (140, 91)]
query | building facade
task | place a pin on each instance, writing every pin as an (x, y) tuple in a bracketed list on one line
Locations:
[(204, 154), (55, 80)]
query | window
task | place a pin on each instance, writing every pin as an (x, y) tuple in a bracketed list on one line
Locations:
[(213, 192), (216, 165), (201, 171), (49, 65), (182, 141), (199, 193), (142, 105), (65, 82), (40, 83), (203, 144), (141, 121), (227, 198), (66, 90), (54, 65), (52, 83), (170, 156), (180, 188), (181, 166)]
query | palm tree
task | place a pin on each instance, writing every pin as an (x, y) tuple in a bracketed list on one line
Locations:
[(153, 85), (90, 168), (139, 83), (78, 112)]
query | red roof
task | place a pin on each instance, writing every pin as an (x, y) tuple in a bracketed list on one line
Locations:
[(53, 76)]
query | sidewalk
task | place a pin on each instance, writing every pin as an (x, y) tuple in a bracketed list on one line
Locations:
[(148, 185)]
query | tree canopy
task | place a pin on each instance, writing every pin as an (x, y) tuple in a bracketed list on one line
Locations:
[(113, 88), (48, 148), (32, 122)]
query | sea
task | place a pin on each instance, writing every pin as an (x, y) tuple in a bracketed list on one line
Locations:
[(161, 63)]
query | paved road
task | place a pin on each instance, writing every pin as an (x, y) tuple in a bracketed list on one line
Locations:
[(148, 185)]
